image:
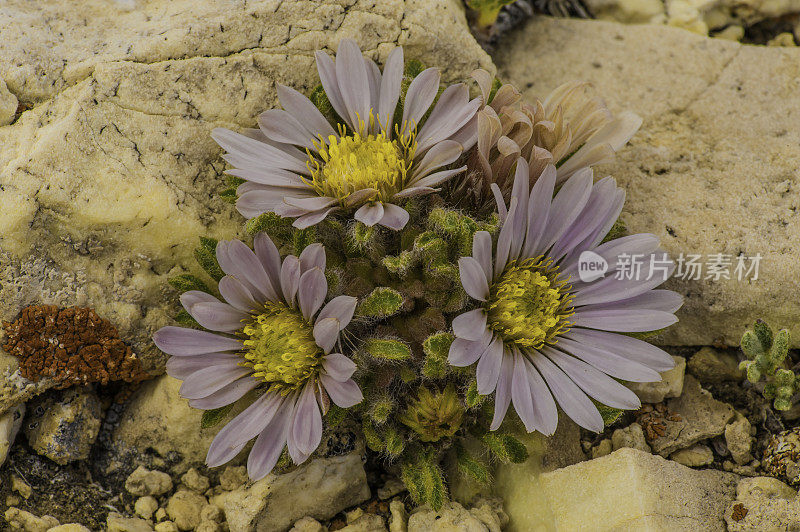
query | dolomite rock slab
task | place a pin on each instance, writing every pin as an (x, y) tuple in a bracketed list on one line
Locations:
[(626, 490), (110, 176), (714, 168), (319, 489)]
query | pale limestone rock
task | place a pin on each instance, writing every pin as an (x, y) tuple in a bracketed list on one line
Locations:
[(398, 522), (701, 417), (111, 175), (211, 513), (10, 422), (307, 524), (193, 480), (738, 439), (166, 526), (712, 365), (782, 39), (233, 477), (695, 456), (143, 482), (451, 518), (71, 527), (713, 168), (561, 449), (626, 490), (21, 520), (20, 486), (8, 105), (366, 523), (184, 509), (670, 385), (769, 504), (390, 488), (145, 507), (159, 418), (631, 436), (731, 33), (319, 489), (208, 526), (602, 449), (117, 523), (67, 426), (629, 11)]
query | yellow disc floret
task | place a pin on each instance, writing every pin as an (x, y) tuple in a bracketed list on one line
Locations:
[(281, 349), (529, 306), (346, 164)]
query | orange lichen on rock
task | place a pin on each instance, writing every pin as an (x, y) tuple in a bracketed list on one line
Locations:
[(71, 346)]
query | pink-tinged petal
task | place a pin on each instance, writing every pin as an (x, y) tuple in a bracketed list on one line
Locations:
[(268, 447), (236, 294), (339, 367), (593, 381), (394, 217), (306, 430), (193, 297), (565, 208), (607, 361), (326, 332), (419, 97), (184, 342), (603, 196), (473, 278), (466, 352), (663, 300), (327, 76), (502, 210), (610, 289), (312, 218), (470, 325), (625, 347), (257, 152), (502, 397), (370, 213), (313, 256), (290, 279), (219, 317), (521, 393), (280, 126), (482, 252), (634, 320), (467, 136), (238, 260), (351, 74), (413, 191), (344, 394), (451, 112), (206, 381), (304, 111), (521, 192), (226, 395), (341, 308), (503, 252), (270, 258), (390, 89), (544, 406), (441, 154), (273, 177), (642, 244), (434, 179), (254, 203), (374, 79), (488, 370), (312, 204), (181, 367), (360, 196), (601, 146), (244, 427), (572, 400), (311, 292)]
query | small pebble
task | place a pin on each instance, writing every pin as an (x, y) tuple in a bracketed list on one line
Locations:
[(166, 526), (193, 480), (145, 506), (233, 477), (20, 486), (143, 482), (601, 449)]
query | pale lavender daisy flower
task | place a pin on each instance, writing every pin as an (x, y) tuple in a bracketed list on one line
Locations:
[(537, 339), (272, 334), (300, 165)]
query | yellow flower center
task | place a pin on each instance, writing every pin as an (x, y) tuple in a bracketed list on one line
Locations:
[(281, 349), (529, 306), (349, 163)]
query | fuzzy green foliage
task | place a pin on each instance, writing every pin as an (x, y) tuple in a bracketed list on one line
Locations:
[(387, 349), (766, 353), (470, 466), (436, 348), (186, 319), (380, 409), (186, 282), (424, 479), (505, 448), (471, 397), (206, 256), (381, 303), (609, 414), (213, 417), (487, 10), (229, 193)]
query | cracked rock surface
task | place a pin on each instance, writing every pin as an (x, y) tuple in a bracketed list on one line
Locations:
[(109, 175), (713, 169)]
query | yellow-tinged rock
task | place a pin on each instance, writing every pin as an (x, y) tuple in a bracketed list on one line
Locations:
[(626, 490)]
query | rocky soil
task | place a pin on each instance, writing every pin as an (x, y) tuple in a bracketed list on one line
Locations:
[(108, 176)]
